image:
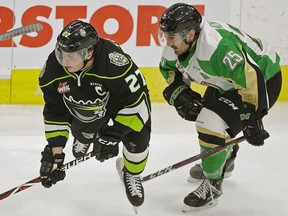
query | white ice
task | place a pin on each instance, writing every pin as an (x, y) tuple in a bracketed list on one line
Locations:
[(258, 186)]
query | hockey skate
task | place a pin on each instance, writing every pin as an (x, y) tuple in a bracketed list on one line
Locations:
[(205, 196), (196, 172), (132, 183), (79, 149)]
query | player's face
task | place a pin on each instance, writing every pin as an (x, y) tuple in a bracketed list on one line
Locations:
[(176, 42), (71, 59)]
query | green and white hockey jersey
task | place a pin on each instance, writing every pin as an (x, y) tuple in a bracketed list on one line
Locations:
[(228, 59)]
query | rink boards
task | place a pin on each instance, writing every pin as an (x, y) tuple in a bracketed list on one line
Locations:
[(23, 88)]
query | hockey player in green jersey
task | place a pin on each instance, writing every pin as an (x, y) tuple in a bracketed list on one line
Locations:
[(95, 89), (243, 80)]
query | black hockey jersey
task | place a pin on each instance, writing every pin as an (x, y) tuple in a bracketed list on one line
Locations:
[(112, 88)]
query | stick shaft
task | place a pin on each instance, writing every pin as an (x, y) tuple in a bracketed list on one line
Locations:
[(35, 181), (192, 159), (89, 155), (20, 31)]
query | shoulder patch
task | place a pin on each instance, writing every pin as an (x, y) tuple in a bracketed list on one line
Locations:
[(118, 59)]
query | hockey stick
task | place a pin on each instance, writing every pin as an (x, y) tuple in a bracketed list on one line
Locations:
[(193, 159), (34, 181), (20, 31)]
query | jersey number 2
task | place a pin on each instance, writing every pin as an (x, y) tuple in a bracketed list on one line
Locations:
[(133, 80)]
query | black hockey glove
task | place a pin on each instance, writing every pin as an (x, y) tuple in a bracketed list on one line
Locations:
[(253, 129), (187, 102), (106, 144), (48, 171)]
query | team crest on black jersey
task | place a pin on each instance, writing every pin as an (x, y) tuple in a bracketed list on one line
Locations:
[(87, 111), (118, 59), (63, 88)]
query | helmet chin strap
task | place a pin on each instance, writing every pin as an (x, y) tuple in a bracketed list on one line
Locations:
[(85, 62), (190, 44)]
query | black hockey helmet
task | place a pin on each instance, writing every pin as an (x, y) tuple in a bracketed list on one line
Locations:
[(76, 36), (179, 17), (78, 39)]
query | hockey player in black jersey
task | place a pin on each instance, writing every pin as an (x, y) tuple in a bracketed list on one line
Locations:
[(91, 87)]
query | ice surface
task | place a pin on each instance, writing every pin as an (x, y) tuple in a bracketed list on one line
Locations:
[(258, 185)]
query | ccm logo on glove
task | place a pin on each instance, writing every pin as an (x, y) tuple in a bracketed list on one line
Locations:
[(106, 142)]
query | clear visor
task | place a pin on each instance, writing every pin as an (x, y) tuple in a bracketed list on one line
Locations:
[(170, 38), (68, 59)]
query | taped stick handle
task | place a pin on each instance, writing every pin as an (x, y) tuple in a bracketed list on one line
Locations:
[(193, 159), (34, 181), (20, 31)]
